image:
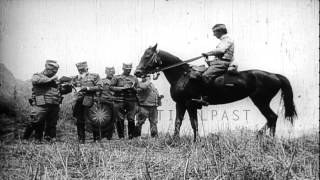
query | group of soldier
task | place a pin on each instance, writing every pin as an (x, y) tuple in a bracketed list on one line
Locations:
[(119, 98)]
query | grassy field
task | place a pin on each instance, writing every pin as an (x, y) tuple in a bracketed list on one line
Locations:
[(229, 155), (235, 154)]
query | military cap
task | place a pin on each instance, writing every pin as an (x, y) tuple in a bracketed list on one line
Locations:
[(127, 66), (51, 64), (219, 27), (82, 65), (109, 69)]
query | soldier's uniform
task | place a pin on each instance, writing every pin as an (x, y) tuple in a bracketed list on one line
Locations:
[(46, 99), (89, 84), (125, 101), (106, 93), (106, 100), (222, 61), (149, 100)]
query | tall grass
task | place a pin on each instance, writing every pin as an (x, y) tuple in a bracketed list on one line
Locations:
[(232, 155)]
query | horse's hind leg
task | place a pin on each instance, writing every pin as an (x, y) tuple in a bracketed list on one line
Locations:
[(263, 129), (263, 106), (180, 111), (192, 111)]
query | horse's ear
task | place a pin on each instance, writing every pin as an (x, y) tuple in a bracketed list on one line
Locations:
[(154, 48)]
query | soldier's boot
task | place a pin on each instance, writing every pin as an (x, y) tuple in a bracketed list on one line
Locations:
[(138, 131), (38, 134), (131, 129), (47, 138), (38, 128), (110, 132), (120, 129), (27, 132), (96, 136), (154, 134), (81, 131), (47, 135), (109, 135), (154, 130), (81, 137)]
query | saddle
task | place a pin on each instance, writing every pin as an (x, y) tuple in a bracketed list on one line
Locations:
[(201, 68), (196, 71), (227, 78)]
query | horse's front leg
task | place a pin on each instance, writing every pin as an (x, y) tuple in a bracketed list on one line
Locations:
[(180, 111), (192, 111)]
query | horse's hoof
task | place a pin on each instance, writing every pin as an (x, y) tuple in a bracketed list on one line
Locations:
[(260, 132), (197, 139)]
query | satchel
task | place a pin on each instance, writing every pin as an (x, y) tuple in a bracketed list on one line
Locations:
[(40, 100)]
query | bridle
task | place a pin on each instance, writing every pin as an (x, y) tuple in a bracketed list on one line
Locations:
[(155, 59)]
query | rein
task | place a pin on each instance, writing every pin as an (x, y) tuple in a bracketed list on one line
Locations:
[(177, 64)]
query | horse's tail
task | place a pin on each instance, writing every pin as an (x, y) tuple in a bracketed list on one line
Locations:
[(287, 96)]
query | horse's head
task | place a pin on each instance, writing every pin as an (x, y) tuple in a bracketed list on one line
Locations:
[(149, 62)]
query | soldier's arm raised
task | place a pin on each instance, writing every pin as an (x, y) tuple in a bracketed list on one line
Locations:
[(37, 79)]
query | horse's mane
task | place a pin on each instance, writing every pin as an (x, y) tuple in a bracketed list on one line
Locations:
[(172, 58)]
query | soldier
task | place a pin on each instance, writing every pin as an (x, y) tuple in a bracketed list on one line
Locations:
[(149, 100), (107, 94), (45, 100), (223, 53), (88, 84), (106, 101), (125, 100)]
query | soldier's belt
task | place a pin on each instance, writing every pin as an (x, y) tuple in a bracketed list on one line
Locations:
[(222, 60), (125, 99), (43, 100), (122, 94)]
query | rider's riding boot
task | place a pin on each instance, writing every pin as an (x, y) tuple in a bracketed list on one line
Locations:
[(206, 79), (131, 129)]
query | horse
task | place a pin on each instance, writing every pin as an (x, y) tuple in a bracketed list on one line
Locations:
[(259, 86)]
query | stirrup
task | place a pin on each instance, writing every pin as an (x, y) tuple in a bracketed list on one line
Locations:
[(201, 102)]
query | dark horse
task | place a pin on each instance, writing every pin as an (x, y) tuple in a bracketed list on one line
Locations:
[(260, 86)]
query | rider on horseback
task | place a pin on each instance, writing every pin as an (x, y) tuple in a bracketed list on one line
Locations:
[(223, 56)]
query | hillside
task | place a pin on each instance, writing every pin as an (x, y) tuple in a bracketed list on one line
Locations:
[(14, 107)]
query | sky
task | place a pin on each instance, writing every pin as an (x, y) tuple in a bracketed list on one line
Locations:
[(279, 36)]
